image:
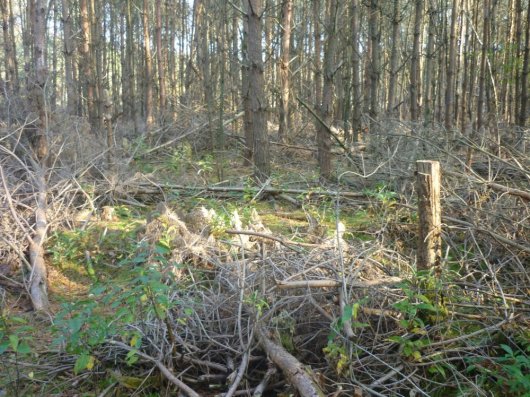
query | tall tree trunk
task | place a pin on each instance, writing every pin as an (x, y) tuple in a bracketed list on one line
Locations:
[(356, 72), (450, 88), (375, 61), (429, 55), (285, 125), (11, 78), (394, 67), (326, 110), (97, 62), (54, 88), (69, 47), (318, 50), (38, 281), (148, 69), (160, 58), (86, 62), (526, 70), (415, 61), (479, 121), (256, 83)]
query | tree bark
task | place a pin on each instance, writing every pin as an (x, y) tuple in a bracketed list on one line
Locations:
[(415, 61), (394, 67), (160, 59), (451, 68), (69, 48), (38, 285), (148, 69), (526, 71), (285, 120), (257, 103), (356, 72), (430, 215), (86, 62), (318, 50), (326, 109), (11, 78), (375, 61)]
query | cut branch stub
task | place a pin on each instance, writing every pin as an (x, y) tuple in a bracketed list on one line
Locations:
[(430, 214)]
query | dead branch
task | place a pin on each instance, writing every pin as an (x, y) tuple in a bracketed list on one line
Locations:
[(335, 284), (299, 376), (163, 369)]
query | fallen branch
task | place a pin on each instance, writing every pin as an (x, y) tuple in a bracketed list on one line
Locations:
[(297, 374), (335, 284)]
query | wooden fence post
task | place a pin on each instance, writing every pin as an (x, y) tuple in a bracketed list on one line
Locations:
[(430, 214)]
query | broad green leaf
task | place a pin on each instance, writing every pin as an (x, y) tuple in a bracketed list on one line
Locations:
[(23, 348), (13, 341), (81, 363), (4, 346), (507, 349)]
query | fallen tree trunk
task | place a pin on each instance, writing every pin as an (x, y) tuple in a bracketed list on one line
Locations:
[(297, 374)]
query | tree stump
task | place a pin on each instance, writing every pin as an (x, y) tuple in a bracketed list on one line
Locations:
[(430, 214)]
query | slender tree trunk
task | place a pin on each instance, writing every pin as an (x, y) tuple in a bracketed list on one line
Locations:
[(318, 51), (356, 72), (415, 61), (479, 121), (38, 281), (285, 125), (97, 63), (148, 69), (69, 47), (526, 70), (465, 65), (429, 55), (256, 83), (54, 88), (326, 110), (86, 62), (394, 67), (375, 62), (11, 78), (450, 88), (160, 58)]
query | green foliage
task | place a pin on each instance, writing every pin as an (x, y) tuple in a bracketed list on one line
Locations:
[(509, 372), (84, 325), (15, 335), (382, 193)]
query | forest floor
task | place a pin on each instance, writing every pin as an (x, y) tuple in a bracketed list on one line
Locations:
[(176, 271)]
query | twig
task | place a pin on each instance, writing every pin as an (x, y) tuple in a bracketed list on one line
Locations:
[(163, 369)]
